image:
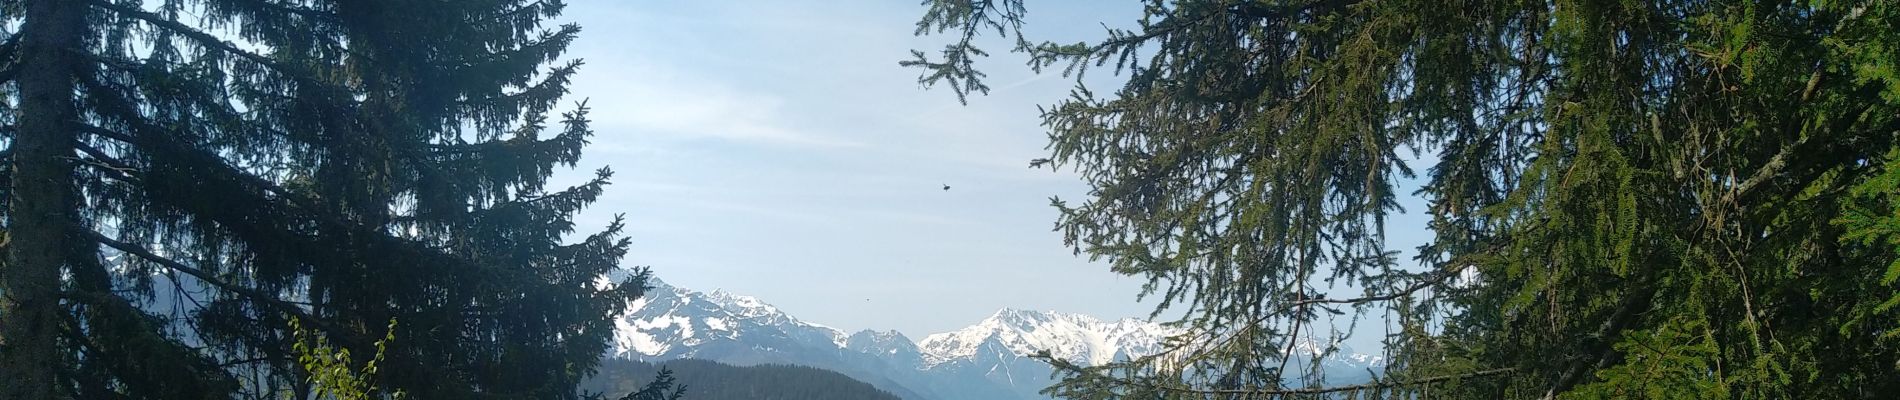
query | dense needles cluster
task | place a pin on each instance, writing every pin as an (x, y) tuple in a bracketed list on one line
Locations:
[(1629, 199), (182, 177)]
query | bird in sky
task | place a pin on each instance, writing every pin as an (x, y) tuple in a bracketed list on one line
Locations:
[(946, 187)]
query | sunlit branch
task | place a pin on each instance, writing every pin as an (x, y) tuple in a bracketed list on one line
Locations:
[(1064, 365)]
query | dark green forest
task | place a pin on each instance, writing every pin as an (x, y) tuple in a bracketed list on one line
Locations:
[(707, 380)]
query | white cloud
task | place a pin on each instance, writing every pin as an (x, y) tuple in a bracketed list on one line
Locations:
[(643, 98)]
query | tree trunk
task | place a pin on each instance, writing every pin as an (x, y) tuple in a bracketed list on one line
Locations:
[(41, 211)]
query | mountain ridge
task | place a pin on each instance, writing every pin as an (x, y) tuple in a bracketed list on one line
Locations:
[(989, 359)]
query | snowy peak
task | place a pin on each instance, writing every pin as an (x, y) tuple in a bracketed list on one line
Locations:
[(671, 322), (877, 340), (742, 305), (1334, 352), (1074, 337), (885, 344), (1022, 318)]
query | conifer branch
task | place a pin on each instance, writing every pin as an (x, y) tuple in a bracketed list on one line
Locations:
[(1255, 10), (252, 360), (347, 337), (1439, 278), (185, 31), (106, 161), (8, 66), (204, 39), (524, 10), (1606, 333), (292, 9), (254, 180), (202, 275), (1375, 384)]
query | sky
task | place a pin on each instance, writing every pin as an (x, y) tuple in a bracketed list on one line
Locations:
[(776, 149)]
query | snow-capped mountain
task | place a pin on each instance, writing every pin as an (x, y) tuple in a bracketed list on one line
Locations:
[(887, 344), (671, 322), (1078, 338), (988, 360)]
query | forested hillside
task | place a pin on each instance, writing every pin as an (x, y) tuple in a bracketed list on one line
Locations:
[(707, 380)]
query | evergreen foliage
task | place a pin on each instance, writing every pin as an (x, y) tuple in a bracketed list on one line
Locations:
[(340, 162), (1628, 199)]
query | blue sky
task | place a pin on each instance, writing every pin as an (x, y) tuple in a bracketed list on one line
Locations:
[(775, 149)]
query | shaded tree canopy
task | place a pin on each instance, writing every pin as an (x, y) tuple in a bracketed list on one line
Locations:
[(1627, 199), (182, 176)]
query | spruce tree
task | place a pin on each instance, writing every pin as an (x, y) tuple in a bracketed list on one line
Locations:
[(39, 194), (1629, 199), (184, 176)]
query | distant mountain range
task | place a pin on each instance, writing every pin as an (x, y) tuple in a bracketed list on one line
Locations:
[(985, 361)]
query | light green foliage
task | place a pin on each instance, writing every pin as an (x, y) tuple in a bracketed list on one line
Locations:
[(1629, 198), (332, 373), (1872, 220), (1671, 362)]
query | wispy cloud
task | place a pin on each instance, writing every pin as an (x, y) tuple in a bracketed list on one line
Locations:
[(652, 99), (785, 214)]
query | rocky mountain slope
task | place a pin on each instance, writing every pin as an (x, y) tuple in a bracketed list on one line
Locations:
[(988, 360)]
